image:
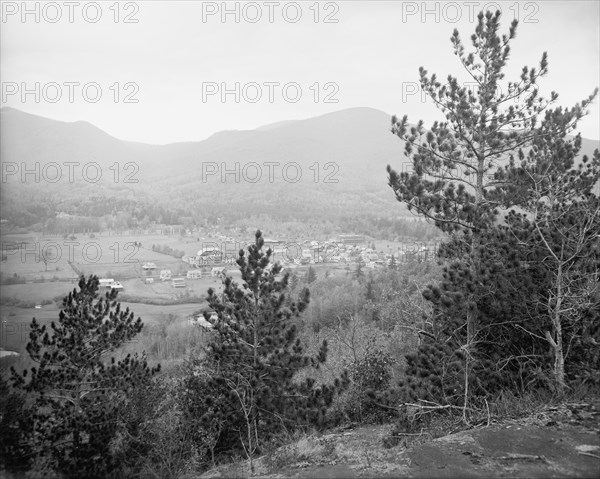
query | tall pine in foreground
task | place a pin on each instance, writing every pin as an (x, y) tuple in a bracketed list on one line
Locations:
[(458, 183), (76, 392), (253, 357)]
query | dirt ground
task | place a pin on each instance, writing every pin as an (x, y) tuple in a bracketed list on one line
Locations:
[(554, 443)]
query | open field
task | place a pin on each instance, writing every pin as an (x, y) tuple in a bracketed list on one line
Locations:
[(114, 256), (14, 328), (35, 292)]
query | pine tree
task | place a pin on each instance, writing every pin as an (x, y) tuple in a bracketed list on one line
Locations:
[(293, 281), (75, 390), (254, 357), (14, 424), (454, 161), (560, 228), (311, 276), (458, 181)]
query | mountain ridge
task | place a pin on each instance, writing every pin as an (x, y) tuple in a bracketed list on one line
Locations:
[(330, 165)]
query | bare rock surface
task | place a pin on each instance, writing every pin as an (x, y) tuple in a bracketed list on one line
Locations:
[(560, 441)]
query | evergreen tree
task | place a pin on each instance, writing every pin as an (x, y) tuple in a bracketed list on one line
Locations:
[(75, 392), (454, 160), (14, 424), (254, 356), (293, 281), (458, 183), (560, 228), (311, 276)]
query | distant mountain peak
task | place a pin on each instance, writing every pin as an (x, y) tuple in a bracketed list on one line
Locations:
[(354, 112), (274, 126)]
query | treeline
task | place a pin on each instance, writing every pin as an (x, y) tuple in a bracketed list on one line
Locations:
[(95, 213), (109, 213), (392, 229), (166, 249)]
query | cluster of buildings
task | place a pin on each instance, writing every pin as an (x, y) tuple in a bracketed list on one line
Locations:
[(371, 258), (343, 249), (220, 254), (179, 281), (110, 283), (350, 249)]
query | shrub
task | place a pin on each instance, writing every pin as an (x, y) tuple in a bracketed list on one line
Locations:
[(371, 375)]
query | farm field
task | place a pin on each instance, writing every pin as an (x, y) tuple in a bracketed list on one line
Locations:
[(104, 255)]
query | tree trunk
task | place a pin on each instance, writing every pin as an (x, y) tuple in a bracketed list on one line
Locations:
[(472, 311), (557, 341), (250, 447)]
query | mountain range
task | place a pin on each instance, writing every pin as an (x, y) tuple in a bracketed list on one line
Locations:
[(331, 165)]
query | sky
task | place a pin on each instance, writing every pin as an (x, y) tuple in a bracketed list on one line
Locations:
[(163, 72)]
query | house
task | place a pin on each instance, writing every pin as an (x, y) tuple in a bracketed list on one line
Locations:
[(218, 271), (106, 282), (209, 250), (178, 283), (194, 274), (165, 275), (210, 255)]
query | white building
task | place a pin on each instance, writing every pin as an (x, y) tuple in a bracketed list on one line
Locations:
[(165, 275), (106, 282), (218, 271)]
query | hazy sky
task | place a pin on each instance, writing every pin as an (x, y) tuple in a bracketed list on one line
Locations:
[(303, 59)]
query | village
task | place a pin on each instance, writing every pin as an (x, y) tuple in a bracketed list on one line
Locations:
[(218, 258)]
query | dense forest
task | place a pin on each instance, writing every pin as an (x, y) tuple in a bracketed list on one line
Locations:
[(104, 213)]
